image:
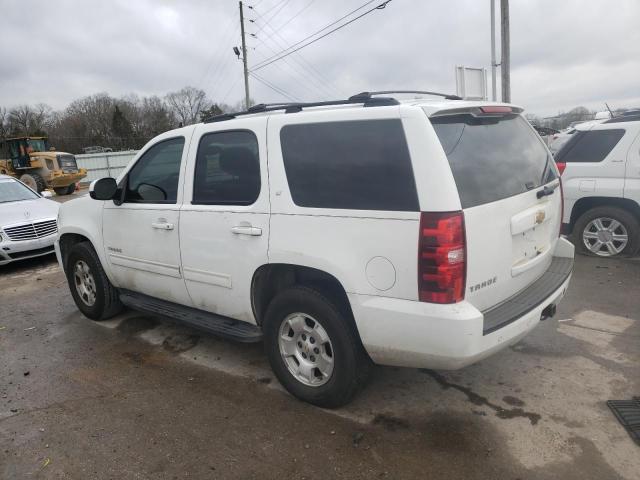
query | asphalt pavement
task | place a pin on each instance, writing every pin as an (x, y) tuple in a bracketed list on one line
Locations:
[(139, 397)]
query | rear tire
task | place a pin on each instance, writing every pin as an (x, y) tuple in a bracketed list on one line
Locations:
[(92, 291), (607, 232), (34, 181), (326, 334)]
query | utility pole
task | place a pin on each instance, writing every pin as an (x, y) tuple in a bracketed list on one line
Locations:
[(494, 87), (244, 59), (505, 62)]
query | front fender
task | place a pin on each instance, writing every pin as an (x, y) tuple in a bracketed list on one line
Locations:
[(83, 217)]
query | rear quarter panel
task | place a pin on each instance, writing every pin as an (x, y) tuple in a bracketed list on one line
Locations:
[(369, 252)]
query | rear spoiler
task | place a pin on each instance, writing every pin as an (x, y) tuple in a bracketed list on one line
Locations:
[(480, 111)]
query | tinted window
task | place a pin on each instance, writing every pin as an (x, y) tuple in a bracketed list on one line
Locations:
[(227, 169), (154, 177), (591, 146), (360, 165), (492, 157)]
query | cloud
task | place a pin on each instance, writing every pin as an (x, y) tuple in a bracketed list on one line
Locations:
[(563, 53)]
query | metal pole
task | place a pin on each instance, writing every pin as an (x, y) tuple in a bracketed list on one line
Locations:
[(494, 87), (244, 59), (505, 62)]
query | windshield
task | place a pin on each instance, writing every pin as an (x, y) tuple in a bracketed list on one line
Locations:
[(21, 148), (37, 145), (14, 191), (492, 158)]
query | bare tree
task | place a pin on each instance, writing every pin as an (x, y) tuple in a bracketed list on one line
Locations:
[(186, 104), (29, 120), (4, 125), (157, 116)]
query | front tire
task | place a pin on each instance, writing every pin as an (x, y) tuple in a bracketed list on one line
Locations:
[(313, 348), (92, 291), (607, 232)]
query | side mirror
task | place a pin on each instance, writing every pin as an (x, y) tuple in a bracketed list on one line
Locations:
[(46, 194), (103, 189)]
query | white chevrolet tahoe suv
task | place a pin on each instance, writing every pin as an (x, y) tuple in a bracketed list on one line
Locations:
[(600, 167), (417, 234)]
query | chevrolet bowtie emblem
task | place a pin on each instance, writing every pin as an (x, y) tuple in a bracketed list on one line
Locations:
[(540, 216)]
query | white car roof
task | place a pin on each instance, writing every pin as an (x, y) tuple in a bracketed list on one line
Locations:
[(430, 106)]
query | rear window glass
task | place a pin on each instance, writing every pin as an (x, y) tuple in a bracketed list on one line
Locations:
[(492, 157), (592, 146), (359, 165)]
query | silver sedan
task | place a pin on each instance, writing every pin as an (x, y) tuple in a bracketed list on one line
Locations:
[(28, 221)]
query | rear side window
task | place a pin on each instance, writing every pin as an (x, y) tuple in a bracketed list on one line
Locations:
[(492, 158), (592, 146), (227, 169), (358, 165)]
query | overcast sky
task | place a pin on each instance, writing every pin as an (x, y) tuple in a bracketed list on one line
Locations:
[(564, 53)]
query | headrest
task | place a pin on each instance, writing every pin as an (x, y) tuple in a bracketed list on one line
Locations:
[(239, 161)]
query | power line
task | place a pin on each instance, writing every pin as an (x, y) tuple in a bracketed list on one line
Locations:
[(309, 66), (225, 37), (310, 70), (282, 25), (277, 4), (323, 29), (221, 69), (305, 80), (273, 87), (233, 85), (272, 16), (379, 7), (309, 73)]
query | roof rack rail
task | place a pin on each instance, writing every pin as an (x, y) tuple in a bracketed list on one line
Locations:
[(367, 95), (624, 118), (293, 107)]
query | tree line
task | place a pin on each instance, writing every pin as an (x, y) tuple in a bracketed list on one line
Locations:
[(131, 121), (119, 123)]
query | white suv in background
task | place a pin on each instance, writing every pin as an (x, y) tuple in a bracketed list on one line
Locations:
[(600, 167), (420, 234)]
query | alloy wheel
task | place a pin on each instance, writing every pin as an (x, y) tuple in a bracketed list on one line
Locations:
[(605, 236), (306, 349), (85, 283)]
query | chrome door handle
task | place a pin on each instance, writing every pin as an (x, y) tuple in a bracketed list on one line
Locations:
[(246, 230), (162, 225)]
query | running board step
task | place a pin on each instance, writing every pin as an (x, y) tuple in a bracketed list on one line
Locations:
[(209, 322)]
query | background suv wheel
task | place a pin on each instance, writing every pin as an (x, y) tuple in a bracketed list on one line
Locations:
[(313, 349), (607, 232)]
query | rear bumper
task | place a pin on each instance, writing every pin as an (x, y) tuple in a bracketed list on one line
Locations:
[(414, 334)]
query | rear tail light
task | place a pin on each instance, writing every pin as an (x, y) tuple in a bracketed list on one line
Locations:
[(561, 166), (441, 257), (496, 109)]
